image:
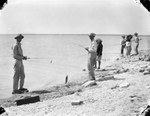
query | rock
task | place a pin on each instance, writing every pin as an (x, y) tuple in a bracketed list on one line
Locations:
[(116, 72), (147, 69), (114, 87), (123, 70), (126, 70), (143, 66), (117, 59), (89, 83), (124, 85), (141, 70), (103, 70), (77, 94), (148, 87), (132, 100), (146, 72), (148, 66), (133, 96), (77, 102)]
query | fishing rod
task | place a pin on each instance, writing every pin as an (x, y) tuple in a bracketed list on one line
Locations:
[(78, 45)]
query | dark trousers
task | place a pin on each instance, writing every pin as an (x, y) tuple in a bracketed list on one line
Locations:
[(122, 49)]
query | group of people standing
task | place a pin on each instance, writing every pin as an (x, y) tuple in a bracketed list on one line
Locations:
[(94, 55), (126, 44), (96, 47)]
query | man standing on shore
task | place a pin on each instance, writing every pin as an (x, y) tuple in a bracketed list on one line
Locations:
[(19, 74), (136, 43), (91, 56)]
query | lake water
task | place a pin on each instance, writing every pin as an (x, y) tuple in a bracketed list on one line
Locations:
[(52, 57)]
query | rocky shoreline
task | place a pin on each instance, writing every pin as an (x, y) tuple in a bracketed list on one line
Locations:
[(121, 89)]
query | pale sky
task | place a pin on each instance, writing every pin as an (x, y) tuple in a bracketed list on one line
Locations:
[(74, 17)]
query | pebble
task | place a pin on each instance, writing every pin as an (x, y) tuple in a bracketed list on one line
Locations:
[(114, 87), (77, 102), (148, 87), (124, 85), (141, 70), (146, 72)]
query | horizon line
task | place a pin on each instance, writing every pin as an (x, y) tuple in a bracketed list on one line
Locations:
[(70, 34)]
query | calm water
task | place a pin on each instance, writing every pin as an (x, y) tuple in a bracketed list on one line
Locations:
[(52, 57)]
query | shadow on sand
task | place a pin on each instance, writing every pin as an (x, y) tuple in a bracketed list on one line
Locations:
[(109, 78), (41, 91)]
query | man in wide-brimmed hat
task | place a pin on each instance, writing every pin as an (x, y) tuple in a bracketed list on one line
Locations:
[(19, 74), (91, 56)]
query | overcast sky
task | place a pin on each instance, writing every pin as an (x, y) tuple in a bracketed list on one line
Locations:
[(74, 17)]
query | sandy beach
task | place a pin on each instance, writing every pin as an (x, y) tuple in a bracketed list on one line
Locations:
[(120, 89)]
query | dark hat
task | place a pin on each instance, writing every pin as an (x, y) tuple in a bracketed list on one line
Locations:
[(135, 33), (129, 37), (92, 35), (19, 36)]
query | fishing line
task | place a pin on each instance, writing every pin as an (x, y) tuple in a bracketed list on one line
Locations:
[(39, 58), (77, 44), (54, 62)]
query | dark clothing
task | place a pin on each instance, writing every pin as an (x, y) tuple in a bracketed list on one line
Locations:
[(123, 42), (123, 45), (122, 49), (99, 49)]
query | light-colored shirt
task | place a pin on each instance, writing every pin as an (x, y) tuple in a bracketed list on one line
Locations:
[(128, 43), (136, 39), (93, 46), (17, 51)]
